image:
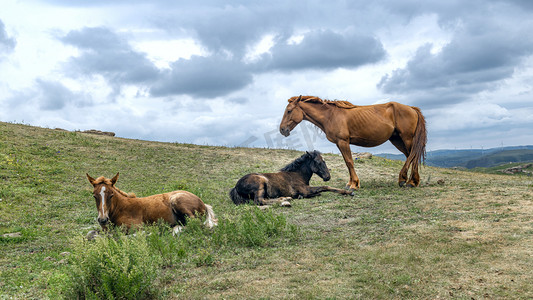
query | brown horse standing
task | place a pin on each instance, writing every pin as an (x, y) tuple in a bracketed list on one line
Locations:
[(116, 207), (367, 126)]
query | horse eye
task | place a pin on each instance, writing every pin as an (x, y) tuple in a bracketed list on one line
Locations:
[(289, 111)]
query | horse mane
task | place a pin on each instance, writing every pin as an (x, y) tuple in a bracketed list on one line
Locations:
[(312, 99), (297, 163), (107, 181)]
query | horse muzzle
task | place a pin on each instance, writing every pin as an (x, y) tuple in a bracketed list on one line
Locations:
[(103, 221), (325, 175), (285, 131)]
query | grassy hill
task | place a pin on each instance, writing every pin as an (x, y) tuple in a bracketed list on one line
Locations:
[(460, 235), (475, 158), (501, 157)]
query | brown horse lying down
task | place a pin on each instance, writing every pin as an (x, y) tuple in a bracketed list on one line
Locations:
[(116, 207), (292, 181)]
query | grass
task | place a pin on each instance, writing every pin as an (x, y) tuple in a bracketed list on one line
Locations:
[(470, 237), (500, 168)]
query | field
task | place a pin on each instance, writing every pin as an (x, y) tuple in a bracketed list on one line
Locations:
[(461, 235)]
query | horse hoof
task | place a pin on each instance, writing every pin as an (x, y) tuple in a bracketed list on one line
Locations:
[(401, 183), (350, 188), (352, 193), (409, 185)]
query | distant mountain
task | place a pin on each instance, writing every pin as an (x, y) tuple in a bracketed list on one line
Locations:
[(473, 158)]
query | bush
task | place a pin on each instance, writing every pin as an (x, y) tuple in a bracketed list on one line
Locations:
[(254, 228), (121, 267)]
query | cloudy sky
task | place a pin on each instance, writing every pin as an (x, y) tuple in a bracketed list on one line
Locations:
[(220, 72)]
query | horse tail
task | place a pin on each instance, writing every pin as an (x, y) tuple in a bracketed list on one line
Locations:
[(211, 220), (418, 149), (236, 197)]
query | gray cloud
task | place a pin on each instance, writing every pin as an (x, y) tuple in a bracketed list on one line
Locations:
[(480, 55), (227, 30), (219, 75), (53, 95), (521, 3), (49, 96), (482, 64), (325, 49), (107, 54), (207, 77), (226, 27), (7, 44)]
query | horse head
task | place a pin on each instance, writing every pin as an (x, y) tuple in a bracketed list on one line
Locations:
[(103, 193), (318, 165), (293, 116)]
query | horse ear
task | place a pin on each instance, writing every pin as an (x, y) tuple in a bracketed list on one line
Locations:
[(114, 179), (91, 180), (291, 99)]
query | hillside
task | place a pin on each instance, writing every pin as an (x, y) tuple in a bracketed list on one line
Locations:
[(501, 157), (459, 235), (473, 158)]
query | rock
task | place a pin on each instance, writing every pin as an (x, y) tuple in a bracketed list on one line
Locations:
[(91, 235), (517, 169), (12, 235), (99, 132), (440, 182), (361, 155)]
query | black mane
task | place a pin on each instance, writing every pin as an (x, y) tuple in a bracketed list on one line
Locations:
[(297, 164)]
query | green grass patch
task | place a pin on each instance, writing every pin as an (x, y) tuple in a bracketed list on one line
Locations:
[(116, 265), (459, 235)]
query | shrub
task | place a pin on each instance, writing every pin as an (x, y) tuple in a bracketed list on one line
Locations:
[(121, 267), (254, 228)]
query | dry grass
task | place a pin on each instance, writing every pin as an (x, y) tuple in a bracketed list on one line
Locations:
[(471, 237)]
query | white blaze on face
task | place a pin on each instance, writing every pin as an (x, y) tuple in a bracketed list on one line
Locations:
[(102, 214)]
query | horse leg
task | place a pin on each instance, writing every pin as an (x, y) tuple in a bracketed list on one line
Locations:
[(415, 177), (344, 147), (260, 200), (275, 200), (315, 191), (261, 193), (397, 141), (259, 196), (404, 144)]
